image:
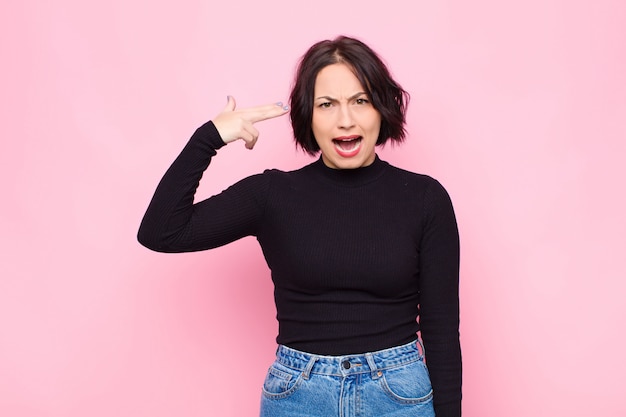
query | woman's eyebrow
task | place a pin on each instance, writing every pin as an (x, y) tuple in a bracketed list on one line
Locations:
[(325, 98), (352, 97)]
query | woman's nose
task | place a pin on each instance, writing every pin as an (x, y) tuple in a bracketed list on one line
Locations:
[(345, 117)]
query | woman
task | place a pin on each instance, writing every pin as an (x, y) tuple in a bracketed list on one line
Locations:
[(358, 249)]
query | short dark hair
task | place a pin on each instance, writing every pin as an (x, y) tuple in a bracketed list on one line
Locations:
[(387, 97)]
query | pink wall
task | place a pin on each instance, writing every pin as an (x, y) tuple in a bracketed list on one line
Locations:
[(519, 108)]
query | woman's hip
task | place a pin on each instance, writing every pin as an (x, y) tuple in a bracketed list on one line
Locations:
[(389, 382)]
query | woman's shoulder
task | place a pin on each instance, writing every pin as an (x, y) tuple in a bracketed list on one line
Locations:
[(415, 178), (276, 174), (430, 188)]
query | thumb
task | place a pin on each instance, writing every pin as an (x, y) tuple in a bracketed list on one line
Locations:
[(230, 103)]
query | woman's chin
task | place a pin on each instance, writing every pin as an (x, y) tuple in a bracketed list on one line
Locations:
[(337, 161)]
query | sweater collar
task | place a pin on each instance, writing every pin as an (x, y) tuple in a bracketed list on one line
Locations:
[(351, 177)]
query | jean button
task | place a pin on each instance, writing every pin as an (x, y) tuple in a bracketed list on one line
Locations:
[(345, 364)]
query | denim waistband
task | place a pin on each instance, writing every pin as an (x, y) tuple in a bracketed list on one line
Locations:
[(344, 365)]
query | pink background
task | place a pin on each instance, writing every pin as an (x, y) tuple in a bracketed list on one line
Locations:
[(518, 107)]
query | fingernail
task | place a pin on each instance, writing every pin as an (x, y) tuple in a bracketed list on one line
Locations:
[(285, 107), (279, 104)]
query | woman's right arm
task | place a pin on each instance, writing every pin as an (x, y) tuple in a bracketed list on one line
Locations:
[(173, 223)]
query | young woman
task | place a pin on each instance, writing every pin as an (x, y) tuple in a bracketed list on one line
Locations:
[(363, 255)]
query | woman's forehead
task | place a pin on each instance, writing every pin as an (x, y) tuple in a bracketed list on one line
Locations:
[(337, 79)]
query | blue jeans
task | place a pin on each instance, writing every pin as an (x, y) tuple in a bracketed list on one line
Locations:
[(392, 382)]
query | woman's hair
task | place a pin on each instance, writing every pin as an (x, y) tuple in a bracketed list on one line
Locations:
[(386, 95)]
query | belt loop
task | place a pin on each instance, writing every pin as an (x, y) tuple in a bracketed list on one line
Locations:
[(373, 369), (309, 366)]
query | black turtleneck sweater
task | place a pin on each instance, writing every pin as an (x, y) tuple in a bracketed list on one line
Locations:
[(356, 255)]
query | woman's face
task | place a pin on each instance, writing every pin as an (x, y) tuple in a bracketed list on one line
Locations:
[(345, 124)]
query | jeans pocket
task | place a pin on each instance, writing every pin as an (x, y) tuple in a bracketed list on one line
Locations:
[(408, 384), (280, 381)]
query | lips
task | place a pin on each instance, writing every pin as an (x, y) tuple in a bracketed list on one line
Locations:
[(347, 146)]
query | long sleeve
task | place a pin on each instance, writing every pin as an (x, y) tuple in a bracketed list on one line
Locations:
[(439, 301), (173, 223), (332, 234)]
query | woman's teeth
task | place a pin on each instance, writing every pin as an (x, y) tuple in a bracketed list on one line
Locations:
[(347, 145)]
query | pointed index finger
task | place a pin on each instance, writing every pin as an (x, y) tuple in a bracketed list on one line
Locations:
[(268, 111)]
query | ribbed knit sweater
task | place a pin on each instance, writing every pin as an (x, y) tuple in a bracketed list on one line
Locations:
[(356, 256)]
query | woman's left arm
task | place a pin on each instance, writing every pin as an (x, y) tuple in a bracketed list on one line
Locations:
[(439, 300)]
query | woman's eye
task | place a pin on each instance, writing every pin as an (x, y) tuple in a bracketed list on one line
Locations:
[(325, 105), (362, 101)]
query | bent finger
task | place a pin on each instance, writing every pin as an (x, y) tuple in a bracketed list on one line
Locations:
[(249, 127), (251, 132), (250, 145), (248, 138)]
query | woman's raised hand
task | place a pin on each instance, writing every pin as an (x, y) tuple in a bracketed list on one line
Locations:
[(239, 124)]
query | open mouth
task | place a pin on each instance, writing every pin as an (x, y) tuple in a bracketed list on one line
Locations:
[(347, 146)]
